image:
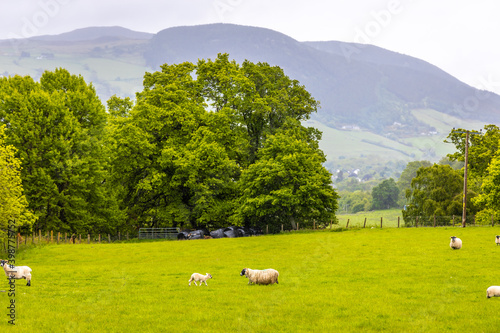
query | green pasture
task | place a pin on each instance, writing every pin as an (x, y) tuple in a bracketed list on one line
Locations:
[(361, 280), (389, 219)]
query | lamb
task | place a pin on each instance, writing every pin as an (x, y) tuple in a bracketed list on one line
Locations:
[(201, 278), (497, 240), (493, 291), (455, 243), (267, 276), (16, 272)]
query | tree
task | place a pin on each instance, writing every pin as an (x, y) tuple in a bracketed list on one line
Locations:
[(287, 183), (404, 181), (180, 151), (57, 126), (489, 199), (13, 203), (385, 195), (436, 190)]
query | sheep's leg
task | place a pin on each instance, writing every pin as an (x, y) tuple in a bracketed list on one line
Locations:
[(195, 282), (206, 283)]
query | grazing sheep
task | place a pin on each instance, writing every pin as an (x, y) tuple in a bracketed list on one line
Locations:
[(201, 278), (455, 243), (497, 240), (16, 272), (493, 291), (267, 276)]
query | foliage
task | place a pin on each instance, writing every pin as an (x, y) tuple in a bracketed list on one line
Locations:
[(287, 183), (13, 203), (353, 202), (436, 190), (57, 127), (404, 181), (385, 195), (489, 198), (179, 152)]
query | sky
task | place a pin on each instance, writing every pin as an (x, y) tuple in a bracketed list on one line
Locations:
[(458, 36)]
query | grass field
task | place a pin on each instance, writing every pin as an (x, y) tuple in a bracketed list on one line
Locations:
[(389, 219), (391, 280)]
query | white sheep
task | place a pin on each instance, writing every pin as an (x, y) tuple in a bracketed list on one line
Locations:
[(201, 278), (497, 240), (493, 291), (455, 243), (16, 272), (266, 276)]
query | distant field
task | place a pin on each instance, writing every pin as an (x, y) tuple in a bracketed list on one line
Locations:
[(362, 280), (389, 218)]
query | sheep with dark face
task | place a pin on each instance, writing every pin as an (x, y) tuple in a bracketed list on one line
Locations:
[(455, 243), (16, 272), (266, 276)]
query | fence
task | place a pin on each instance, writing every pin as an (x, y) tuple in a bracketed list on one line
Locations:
[(158, 233), (412, 221)]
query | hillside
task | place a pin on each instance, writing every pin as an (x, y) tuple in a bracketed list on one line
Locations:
[(370, 97)]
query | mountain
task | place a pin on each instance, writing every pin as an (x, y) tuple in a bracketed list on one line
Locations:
[(375, 103)]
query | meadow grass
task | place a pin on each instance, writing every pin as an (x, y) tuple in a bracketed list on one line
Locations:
[(391, 280), (389, 219)]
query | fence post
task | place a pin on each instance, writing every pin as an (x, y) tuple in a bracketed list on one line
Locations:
[(109, 238), (416, 222), (474, 219), (492, 222), (434, 221), (80, 239), (282, 227), (347, 225), (314, 224), (267, 229), (127, 235), (453, 220), (39, 236), (88, 238), (51, 236), (99, 238), (331, 224), (119, 237), (297, 225), (398, 221), (364, 225), (381, 222)]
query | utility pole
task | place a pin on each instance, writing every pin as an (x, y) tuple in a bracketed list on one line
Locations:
[(466, 159)]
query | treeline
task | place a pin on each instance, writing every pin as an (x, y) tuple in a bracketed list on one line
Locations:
[(207, 145), (427, 189)]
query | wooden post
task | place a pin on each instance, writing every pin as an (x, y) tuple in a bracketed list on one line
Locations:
[(281, 227), (364, 225), (331, 222), (398, 221), (314, 224), (297, 225), (119, 237), (99, 238), (109, 238), (65, 237), (39, 236), (127, 235), (58, 235), (381, 222), (453, 220), (347, 225), (434, 221), (416, 222), (51, 236), (88, 238), (474, 219)]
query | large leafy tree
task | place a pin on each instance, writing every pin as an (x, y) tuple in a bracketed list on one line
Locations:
[(57, 126), (287, 183), (13, 203), (436, 190), (180, 150), (410, 172)]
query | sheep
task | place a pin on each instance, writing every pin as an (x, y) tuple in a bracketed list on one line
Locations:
[(455, 243), (16, 272), (267, 276), (201, 278), (497, 240), (493, 291)]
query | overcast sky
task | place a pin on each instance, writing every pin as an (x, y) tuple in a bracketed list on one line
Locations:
[(459, 36)]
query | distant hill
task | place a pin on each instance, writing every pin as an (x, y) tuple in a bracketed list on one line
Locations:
[(374, 102)]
